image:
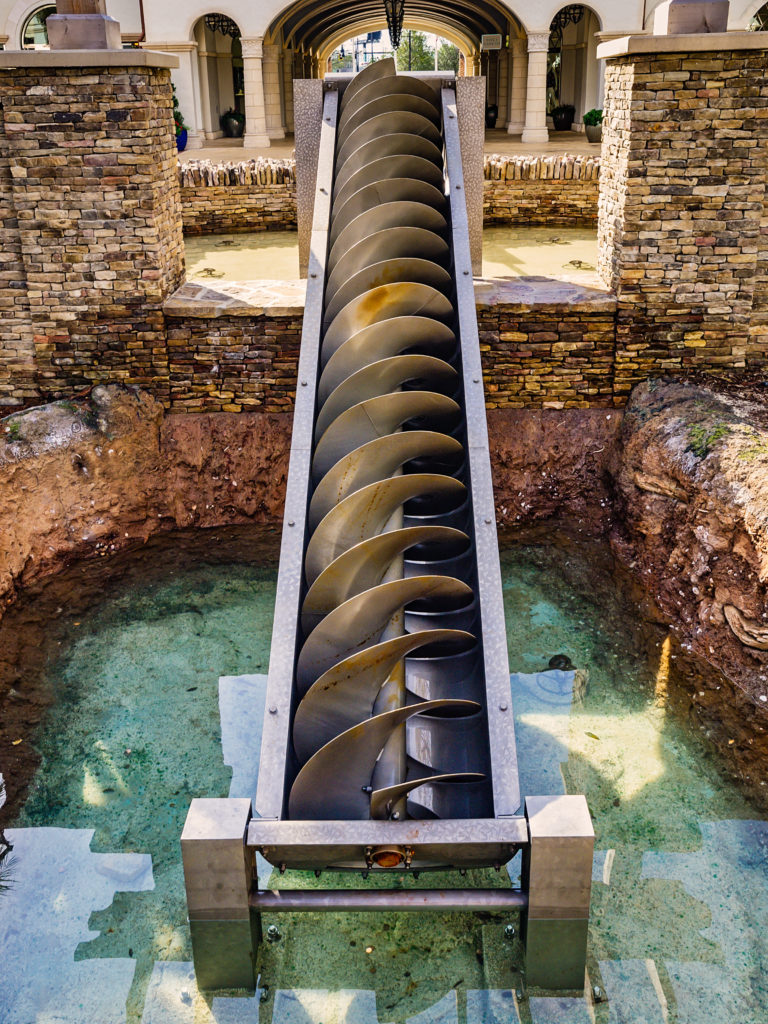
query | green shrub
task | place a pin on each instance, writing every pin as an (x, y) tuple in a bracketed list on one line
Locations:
[(593, 116)]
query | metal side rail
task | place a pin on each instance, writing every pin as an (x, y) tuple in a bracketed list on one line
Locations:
[(388, 744)]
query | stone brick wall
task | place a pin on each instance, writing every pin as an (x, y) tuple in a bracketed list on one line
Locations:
[(682, 216), (91, 221), (546, 344), (233, 364), (555, 190), (260, 195), (255, 195)]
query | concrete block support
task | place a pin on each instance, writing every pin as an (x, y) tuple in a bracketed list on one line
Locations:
[(683, 201), (557, 874), (218, 869)]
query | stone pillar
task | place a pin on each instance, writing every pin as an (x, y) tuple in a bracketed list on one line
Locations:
[(518, 52), (536, 89), (218, 871), (272, 86), (683, 204), (557, 875), (91, 217), (288, 88), (253, 83), (82, 25), (476, 64)]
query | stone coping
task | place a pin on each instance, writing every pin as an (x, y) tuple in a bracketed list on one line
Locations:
[(286, 298), (237, 298), (77, 59), (702, 42)]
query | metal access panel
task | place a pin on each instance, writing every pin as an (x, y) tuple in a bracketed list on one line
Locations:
[(388, 696)]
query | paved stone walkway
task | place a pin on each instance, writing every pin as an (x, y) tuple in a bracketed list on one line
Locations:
[(495, 142)]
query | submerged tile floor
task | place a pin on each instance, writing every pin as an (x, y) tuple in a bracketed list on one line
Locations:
[(93, 929)]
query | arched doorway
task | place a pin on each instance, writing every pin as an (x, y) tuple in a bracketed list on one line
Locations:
[(572, 68), (220, 74)]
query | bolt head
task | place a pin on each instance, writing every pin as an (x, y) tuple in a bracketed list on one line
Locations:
[(510, 931)]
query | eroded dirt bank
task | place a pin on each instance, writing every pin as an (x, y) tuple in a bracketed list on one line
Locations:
[(691, 523)]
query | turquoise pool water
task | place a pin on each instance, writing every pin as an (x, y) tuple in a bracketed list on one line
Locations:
[(138, 720)]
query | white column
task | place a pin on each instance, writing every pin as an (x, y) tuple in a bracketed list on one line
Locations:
[(186, 80), (518, 54), (272, 105), (288, 88), (536, 93), (253, 84)]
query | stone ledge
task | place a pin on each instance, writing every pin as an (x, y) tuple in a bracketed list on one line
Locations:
[(705, 42), (545, 293), (237, 298), (76, 60), (286, 298)]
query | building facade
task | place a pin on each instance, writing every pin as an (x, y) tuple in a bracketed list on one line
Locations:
[(236, 55)]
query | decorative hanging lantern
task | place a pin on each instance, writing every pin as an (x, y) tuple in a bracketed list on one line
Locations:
[(572, 14), (395, 11), (221, 23)]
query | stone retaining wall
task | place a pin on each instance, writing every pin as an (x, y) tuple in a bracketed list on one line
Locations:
[(260, 195), (557, 190), (546, 344), (255, 195)]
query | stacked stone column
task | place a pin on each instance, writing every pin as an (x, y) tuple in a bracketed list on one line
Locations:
[(682, 208), (90, 216), (536, 92)]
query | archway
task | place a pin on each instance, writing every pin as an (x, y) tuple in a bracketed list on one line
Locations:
[(573, 78), (220, 76)]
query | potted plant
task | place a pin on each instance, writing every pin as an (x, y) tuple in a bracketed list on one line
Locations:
[(178, 121), (562, 117), (232, 124), (593, 125)]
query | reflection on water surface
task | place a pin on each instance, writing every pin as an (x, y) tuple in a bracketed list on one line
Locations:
[(94, 926)]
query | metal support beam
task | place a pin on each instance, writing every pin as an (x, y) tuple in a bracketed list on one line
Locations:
[(346, 900)]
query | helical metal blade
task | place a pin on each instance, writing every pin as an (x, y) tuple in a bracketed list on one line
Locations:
[(403, 102), (390, 244), (331, 785), (373, 72), (366, 511), (389, 86), (383, 339), (407, 269), (376, 461), (392, 121), (359, 622), (380, 218), (379, 193), (346, 693), (364, 566), (383, 799), (383, 377), (384, 303), (376, 417), (395, 166), (395, 144)]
